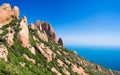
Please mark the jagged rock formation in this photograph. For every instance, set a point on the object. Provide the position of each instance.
(23, 35)
(15, 12)
(42, 35)
(44, 30)
(49, 30)
(38, 25)
(60, 42)
(35, 50)
(32, 26)
(7, 14)
(45, 51)
(79, 70)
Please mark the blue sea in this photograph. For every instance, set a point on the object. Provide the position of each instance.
(108, 57)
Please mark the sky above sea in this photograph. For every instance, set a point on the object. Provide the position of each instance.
(77, 22)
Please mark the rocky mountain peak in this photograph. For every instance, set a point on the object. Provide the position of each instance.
(49, 30)
(60, 41)
(7, 14)
(23, 35)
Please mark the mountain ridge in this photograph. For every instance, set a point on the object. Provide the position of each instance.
(35, 49)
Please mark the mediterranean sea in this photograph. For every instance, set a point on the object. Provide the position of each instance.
(108, 57)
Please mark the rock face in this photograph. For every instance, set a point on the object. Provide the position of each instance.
(30, 59)
(79, 70)
(54, 70)
(23, 35)
(38, 25)
(42, 35)
(40, 32)
(44, 31)
(7, 14)
(15, 12)
(49, 30)
(3, 52)
(32, 26)
(45, 51)
(60, 42)
(98, 67)
(32, 50)
(60, 62)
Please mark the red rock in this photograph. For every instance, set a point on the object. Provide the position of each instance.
(60, 42)
(38, 24)
(49, 30)
(23, 35)
(7, 14)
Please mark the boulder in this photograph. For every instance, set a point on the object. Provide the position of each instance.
(3, 52)
(23, 35)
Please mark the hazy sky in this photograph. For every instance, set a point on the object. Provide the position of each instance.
(78, 22)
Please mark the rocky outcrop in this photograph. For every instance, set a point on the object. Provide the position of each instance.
(22, 64)
(98, 68)
(49, 30)
(44, 30)
(77, 69)
(38, 25)
(42, 35)
(28, 58)
(3, 52)
(32, 49)
(60, 62)
(45, 51)
(10, 36)
(66, 72)
(23, 35)
(7, 14)
(32, 26)
(54, 70)
(60, 41)
(15, 12)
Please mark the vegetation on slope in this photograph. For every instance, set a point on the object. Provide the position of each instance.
(41, 66)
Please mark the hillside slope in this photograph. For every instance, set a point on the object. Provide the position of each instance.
(35, 50)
